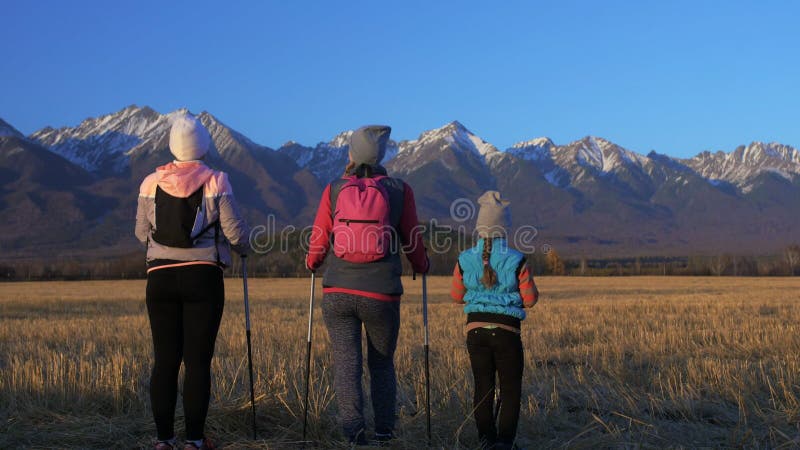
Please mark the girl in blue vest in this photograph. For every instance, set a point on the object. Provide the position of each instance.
(494, 282)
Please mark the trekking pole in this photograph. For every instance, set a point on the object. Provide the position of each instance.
(427, 366)
(497, 408)
(308, 353)
(249, 345)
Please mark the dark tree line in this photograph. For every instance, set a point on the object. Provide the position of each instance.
(286, 259)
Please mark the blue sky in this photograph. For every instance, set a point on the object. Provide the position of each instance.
(678, 77)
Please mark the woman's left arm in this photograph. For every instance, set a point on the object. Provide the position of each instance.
(411, 233)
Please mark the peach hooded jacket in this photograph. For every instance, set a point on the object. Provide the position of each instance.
(181, 179)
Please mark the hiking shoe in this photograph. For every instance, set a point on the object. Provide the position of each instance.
(359, 438)
(383, 439)
(206, 445)
(163, 445)
(500, 445)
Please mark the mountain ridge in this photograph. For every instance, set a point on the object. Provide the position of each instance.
(588, 196)
(136, 125)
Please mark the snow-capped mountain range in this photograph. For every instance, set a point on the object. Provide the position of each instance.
(746, 162)
(589, 195)
(104, 143)
(108, 141)
(327, 159)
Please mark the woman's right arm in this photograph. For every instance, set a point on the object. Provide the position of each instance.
(320, 241)
(457, 288)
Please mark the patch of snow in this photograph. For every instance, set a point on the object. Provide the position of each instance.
(304, 158)
(341, 140)
(455, 134)
(746, 162)
(327, 159)
(538, 149)
(779, 172)
(553, 177)
(482, 147)
(107, 140)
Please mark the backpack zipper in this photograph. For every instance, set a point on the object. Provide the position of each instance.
(349, 221)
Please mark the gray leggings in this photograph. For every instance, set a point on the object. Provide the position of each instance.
(344, 314)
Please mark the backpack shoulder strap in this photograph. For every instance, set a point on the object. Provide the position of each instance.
(336, 188)
(395, 188)
(205, 229)
(203, 208)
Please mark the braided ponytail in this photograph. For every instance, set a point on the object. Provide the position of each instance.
(489, 278)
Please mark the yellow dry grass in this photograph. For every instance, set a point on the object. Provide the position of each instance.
(624, 363)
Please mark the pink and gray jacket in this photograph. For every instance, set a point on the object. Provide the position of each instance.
(181, 179)
(380, 279)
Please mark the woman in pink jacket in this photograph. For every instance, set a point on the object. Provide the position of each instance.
(368, 219)
(188, 219)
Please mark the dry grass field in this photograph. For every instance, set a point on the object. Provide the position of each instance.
(610, 363)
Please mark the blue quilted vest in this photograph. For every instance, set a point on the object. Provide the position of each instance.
(503, 297)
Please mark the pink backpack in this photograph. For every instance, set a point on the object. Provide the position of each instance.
(361, 228)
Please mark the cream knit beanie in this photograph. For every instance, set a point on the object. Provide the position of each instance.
(188, 138)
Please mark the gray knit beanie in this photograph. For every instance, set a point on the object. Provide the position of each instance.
(368, 144)
(493, 218)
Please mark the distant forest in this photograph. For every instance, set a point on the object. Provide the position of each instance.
(289, 262)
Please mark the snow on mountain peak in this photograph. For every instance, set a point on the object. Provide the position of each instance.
(606, 156)
(758, 152)
(105, 140)
(746, 162)
(537, 149)
(106, 143)
(535, 142)
(341, 140)
(327, 159)
(454, 134)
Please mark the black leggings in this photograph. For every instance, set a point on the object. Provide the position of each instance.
(185, 308)
(496, 350)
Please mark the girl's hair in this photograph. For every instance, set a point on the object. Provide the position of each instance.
(489, 278)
